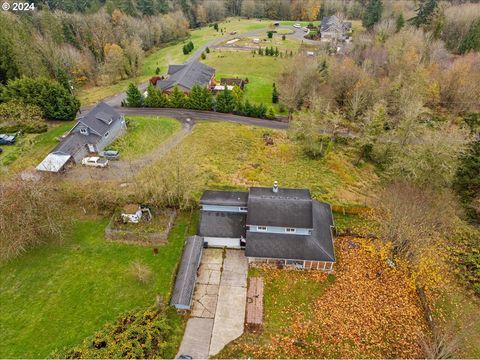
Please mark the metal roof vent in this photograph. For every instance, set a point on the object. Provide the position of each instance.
(275, 187)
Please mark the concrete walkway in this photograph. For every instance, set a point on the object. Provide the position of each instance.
(219, 301)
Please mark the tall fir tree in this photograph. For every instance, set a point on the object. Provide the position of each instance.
(225, 101)
(134, 96)
(399, 22)
(177, 98)
(155, 98)
(373, 13)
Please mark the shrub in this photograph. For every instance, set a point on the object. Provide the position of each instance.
(52, 98)
(141, 272)
(140, 334)
(270, 34)
(203, 56)
(16, 116)
(207, 50)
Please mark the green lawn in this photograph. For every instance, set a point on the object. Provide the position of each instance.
(56, 295)
(144, 134)
(262, 72)
(30, 149)
(235, 156)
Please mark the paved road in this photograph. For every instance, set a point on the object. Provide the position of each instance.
(184, 114)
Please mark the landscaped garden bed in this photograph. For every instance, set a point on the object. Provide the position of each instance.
(152, 231)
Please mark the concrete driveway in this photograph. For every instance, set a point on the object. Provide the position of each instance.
(218, 311)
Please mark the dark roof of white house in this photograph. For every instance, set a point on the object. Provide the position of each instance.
(187, 75)
(75, 142)
(100, 119)
(221, 224)
(224, 198)
(316, 247)
(284, 208)
(186, 276)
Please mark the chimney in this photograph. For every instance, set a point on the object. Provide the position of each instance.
(275, 187)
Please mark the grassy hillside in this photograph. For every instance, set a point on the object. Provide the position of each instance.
(56, 295)
(231, 155)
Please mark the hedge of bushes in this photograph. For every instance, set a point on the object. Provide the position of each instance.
(16, 116)
(199, 98)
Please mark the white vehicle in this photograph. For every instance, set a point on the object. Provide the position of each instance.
(298, 26)
(95, 161)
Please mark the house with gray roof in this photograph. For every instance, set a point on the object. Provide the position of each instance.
(91, 134)
(333, 29)
(274, 225)
(187, 75)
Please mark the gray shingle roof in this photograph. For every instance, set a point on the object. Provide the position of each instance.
(226, 198)
(99, 117)
(187, 272)
(75, 142)
(318, 246)
(221, 224)
(286, 208)
(187, 75)
(333, 23)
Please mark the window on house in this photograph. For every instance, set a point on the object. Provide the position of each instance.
(290, 230)
(106, 134)
(84, 131)
(261, 228)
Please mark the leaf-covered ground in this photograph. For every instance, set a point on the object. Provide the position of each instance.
(368, 311)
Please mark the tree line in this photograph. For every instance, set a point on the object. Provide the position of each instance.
(199, 98)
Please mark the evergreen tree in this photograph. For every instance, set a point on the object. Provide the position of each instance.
(200, 98)
(283, 37)
(424, 12)
(155, 98)
(203, 56)
(399, 22)
(146, 7)
(185, 50)
(270, 34)
(373, 13)
(225, 101)
(247, 108)
(207, 50)
(274, 94)
(134, 96)
(276, 51)
(271, 114)
(215, 26)
(467, 180)
(177, 98)
(471, 41)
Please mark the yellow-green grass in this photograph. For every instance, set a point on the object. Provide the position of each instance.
(235, 156)
(56, 295)
(144, 134)
(283, 45)
(30, 149)
(261, 71)
(170, 54)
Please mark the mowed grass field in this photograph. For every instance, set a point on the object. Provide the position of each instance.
(56, 295)
(261, 71)
(144, 134)
(227, 155)
(171, 54)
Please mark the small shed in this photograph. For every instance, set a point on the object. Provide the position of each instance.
(187, 273)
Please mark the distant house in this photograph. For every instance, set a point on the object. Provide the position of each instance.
(233, 81)
(186, 76)
(276, 225)
(91, 134)
(333, 29)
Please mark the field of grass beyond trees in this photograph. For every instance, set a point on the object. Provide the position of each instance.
(385, 127)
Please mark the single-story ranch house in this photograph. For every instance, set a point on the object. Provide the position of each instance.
(187, 75)
(91, 134)
(282, 226)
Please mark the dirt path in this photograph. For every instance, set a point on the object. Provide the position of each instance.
(126, 170)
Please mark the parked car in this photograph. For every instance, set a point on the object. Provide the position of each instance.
(95, 161)
(185, 356)
(305, 29)
(298, 26)
(110, 154)
(7, 139)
